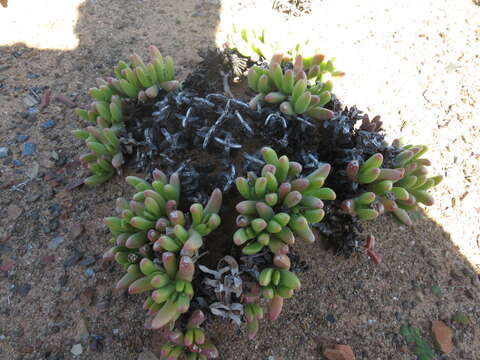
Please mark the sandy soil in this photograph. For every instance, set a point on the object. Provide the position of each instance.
(415, 63)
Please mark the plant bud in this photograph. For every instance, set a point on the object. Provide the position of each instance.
(403, 216)
(282, 261)
(271, 199)
(286, 235)
(252, 248)
(192, 245)
(258, 225)
(292, 199)
(265, 211)
(369, 175)
(391, 174)
(186, 269)
(319, 113)
(275, 307)
(300, 185)
(286, 108)
(243, 187)
(283, 190)
(275, 97)
(214, 203)
(247, 207)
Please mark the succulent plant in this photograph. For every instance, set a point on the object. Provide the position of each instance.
(134, 81)
(253, 310)
(142, 81)
(296, 90)
(260, 43)
(397, 190)
(277, 284)
(280, 206)
(252, 43)
(373, 125)
(157, 244)
(370, 246)
(192, 342)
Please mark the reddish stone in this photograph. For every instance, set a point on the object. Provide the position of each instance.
(331, 354)
(7, 266)
(86, 297)
(14, 212)
(47, 259)
(443, 336)
(346, 350)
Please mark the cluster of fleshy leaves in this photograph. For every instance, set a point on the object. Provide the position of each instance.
(134, 81)
(279, 208)
(191, 343)
(157, 244)
(261, 44)
(299, 90)
(398, 190)
(252, 43)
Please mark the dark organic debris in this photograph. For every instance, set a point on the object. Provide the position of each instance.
(293, 7)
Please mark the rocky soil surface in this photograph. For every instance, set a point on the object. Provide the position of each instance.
(415, 63)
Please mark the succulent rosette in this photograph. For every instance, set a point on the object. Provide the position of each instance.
(157, 244)
(134, 81)
(298, 90)
(280, 205)
(279, 208)
(257, 43)
(399, 190)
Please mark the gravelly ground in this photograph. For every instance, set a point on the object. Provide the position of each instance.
(415, 63)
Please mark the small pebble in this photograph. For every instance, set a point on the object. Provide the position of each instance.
(31, 75)
(29, 149)
(30, 101)
(73, 259)
(47, 259)
(4, 152)
(89, 272)
(76, 231)
(13, 212)
(63, 280)
(23, 289)
(96, 343)
(89, 260)
(331, 318)
(55, 242)
(21, 138)
(33, 197)
(82, 333)
(18, 163)
(48, 124)
(55, 210)
(76, 349)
